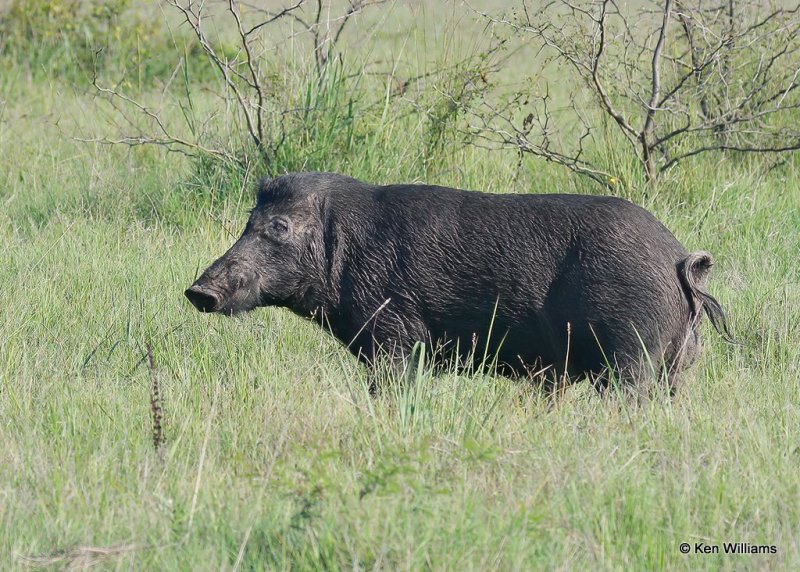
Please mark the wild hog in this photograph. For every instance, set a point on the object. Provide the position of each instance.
(566, 283)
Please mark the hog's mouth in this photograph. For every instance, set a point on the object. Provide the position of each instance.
(204, 299)
(210, 301)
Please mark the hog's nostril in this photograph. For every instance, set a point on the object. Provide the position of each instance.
(203, 300)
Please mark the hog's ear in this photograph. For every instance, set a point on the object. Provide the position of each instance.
(328, 240)
(263, 190)
(319, 205)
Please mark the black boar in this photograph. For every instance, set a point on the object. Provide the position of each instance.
(572, 284)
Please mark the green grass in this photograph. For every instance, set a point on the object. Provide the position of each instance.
(276, 457)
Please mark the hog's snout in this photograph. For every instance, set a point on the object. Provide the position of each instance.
(203, 299)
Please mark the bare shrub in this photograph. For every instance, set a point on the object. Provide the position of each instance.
(674, 80)
(254, 100)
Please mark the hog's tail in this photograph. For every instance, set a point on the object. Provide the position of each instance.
(693, 271)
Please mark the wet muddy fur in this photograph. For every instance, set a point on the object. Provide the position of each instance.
(575, 285)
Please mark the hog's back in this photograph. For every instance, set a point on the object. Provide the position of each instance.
(550, 276)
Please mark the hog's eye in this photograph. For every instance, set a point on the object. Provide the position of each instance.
(278, 226)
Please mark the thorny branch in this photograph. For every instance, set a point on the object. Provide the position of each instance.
(163, 136)
(243, 79)
(193, 15)
(687, 79)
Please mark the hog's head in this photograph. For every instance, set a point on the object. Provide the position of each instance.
(276, 261)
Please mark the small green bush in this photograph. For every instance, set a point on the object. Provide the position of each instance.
(60, 35)
(75, 38)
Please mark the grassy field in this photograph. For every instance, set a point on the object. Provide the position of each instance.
(274, 454)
